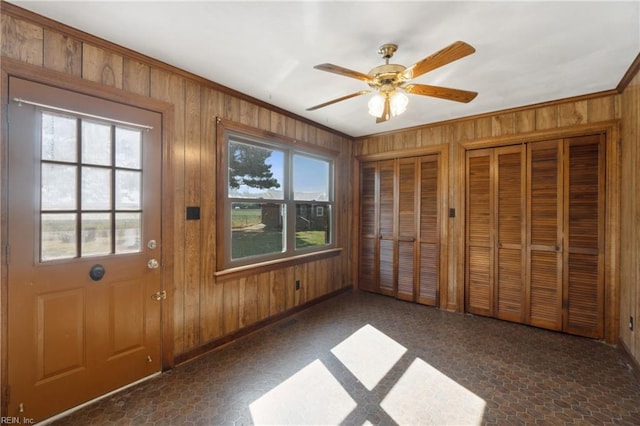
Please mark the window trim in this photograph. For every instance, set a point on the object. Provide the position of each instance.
(245, 133)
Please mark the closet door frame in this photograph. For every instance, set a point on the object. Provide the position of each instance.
(611, 132)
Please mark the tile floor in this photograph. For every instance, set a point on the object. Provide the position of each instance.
(363, 359)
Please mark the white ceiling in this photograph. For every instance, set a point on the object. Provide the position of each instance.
(526, 52)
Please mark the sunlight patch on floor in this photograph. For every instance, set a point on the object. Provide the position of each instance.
(369, 354)
(424, 395)
(311, 396)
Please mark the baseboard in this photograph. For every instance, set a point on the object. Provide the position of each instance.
(634, 363)
(209, 346)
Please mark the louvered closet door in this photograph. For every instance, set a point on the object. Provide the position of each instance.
(429, 241)
(407, 226)
(386, 233)
(368, 227)
(545, 198)
(479, 262)
(510, 233)
(584, 222)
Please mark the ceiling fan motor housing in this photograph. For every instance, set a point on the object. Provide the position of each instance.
(387, 78)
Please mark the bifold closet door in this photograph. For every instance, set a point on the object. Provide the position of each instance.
(584, 244)
(368, 275)
(545, 222)
(407, 220)
(496, 232)
(480, 236)
(386, 232)
(429, 231)
(510, 232)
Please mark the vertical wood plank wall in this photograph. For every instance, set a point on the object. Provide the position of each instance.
(203, 309)
(630, 219)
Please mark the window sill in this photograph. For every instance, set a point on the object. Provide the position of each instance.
(258, 268)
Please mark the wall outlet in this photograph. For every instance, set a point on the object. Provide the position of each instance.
(297, 284)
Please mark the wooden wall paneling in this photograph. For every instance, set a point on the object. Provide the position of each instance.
(210, 297)
(463, 131)
(432, 135)
(525, 121)
(601, 109)
(102, 66)
(479, 229)
(249, 114)
(277, 298)
(612, 233)
(322, 271)
(264, 295)
(572, 113)
(312, 280)
(231, 303)
(136, 77)
(247, 301)
(230, 107)
(503, 124)
(547, 117)
(584, 185)
(62, 53)
(544, 234)
(300, 274)
(454, 297)
(510, 232)
(170, 88)
(277, 124)
(483, 127)
(192, 228)
(22, 40)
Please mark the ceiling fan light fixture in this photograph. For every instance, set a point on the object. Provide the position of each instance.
(376, 105)
(398, 103)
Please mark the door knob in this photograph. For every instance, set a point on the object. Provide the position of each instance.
(97, 272)
(153, 264)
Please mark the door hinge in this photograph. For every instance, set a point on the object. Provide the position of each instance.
(7, 394)
(161, 295)
(6, 254)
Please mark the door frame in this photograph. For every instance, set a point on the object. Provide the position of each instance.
(13, 68)
(611, 131)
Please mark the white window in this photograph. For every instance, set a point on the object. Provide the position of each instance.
(273, 193)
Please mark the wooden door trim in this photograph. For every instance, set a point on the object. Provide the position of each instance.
(13, 68)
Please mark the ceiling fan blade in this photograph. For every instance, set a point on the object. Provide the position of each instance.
(343, 71)
(451, 53)
(386, 113)
(343, 98)
(440, 92)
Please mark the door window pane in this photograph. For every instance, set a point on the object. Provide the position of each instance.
(312, 225)
(96, 234)
(255, 172)
(128, 232)
(257, 229)
(128, 190)
(96, 188)
(58, 236)
(90, 188)
(128, 148)
(59, 138)
(96, 143)
(58, 187)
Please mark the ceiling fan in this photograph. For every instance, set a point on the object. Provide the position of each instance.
(390, 80)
